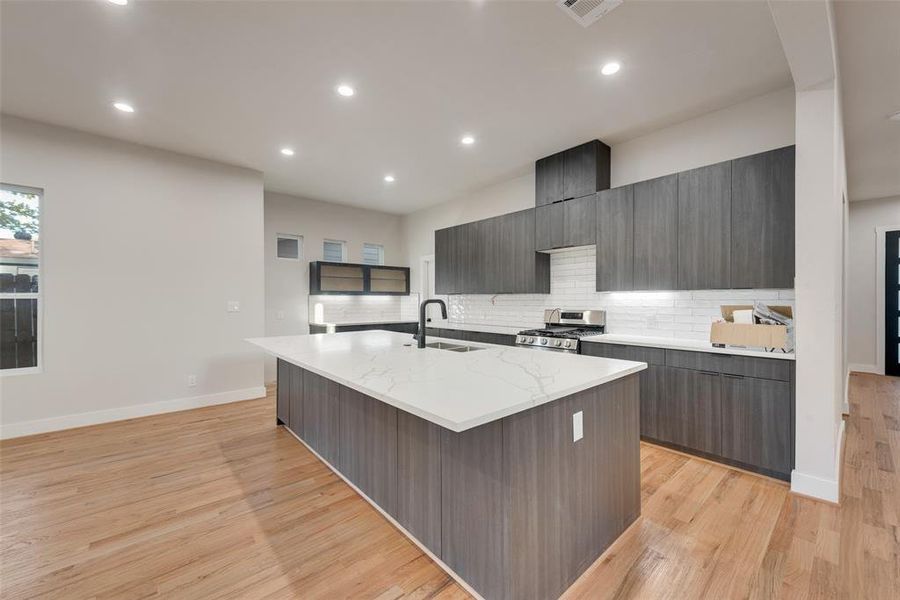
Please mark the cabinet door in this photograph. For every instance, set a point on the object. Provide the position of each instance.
(548, 180)
(579, 217)
(656, 234)
(549, 224)
(321, 414)
(368, 447)
(691, 413)
(491, 255)
(530, 270)
(296, 399)
(283, 393)
(756, 422)
(444, 254)
(419, 477)
(762, 220)
(615, 239)
(585, 169)
(704, 228)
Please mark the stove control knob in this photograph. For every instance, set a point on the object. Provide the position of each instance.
(557, 343)
(544, 341)
(568, 343)
(528, 340)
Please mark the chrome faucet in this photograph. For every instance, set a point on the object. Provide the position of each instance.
(420, 336)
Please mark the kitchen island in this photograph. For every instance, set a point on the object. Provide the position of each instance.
(513, 468)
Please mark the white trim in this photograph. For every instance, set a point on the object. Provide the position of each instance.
(863, 368)
(20, 295)
(13, 430)
(391, 520)
(22, 370)
(814, 486)
(879, 294)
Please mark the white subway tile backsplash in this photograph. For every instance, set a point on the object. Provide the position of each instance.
(683, 314)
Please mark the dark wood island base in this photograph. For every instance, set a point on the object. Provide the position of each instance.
(514, 508)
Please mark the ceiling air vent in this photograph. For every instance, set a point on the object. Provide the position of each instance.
(586, 12)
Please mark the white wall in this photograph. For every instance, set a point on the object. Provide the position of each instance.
(141, 250)
(806, 30)
(756, 125)
(287, 282)
(862, 277)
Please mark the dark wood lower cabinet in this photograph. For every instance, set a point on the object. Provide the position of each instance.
(516, 507)
(735, 409)
(320, 411)
(472, 519)
(419, 478)
(368, 447)
(283, 394)
(691, 415)
(399, 327)
(757, 415)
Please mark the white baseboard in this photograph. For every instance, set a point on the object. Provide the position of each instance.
(13, 430)
(863, 368)
(821, 488)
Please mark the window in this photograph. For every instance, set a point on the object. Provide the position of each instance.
(288, 247)
(373, 254)
(334, 251)
(19, 278)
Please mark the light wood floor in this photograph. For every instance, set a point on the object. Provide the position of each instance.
(219, 503)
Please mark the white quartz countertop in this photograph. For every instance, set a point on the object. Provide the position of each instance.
(456, 390)
(682, 344)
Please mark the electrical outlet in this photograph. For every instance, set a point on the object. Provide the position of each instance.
(192, 380)
(577, 426)
(279, 315)
(234, 306)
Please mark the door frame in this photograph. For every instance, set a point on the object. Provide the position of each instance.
(879, 294)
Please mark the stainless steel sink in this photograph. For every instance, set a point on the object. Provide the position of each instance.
(453, 347)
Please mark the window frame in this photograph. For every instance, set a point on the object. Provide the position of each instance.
(380, 247)
(289, 236)
(343, 244)
(39, 295)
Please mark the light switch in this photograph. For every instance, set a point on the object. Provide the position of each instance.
(234, 306)
(577, 426)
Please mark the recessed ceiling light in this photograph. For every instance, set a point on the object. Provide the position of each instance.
(287, 151)
(895, 116)
(345, 90)
(611, 68)
(467, 140)
(124, 107)
(389, 178)
(119, 2)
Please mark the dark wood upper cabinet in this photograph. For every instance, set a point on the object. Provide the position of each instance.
(566, 224)
(656, 234)
(762, 220)
(572, 173)
(615, 239)
(704, 228)
(358, 280)
(579, 216)
(492, 256)
(548, 180)
(549, 226)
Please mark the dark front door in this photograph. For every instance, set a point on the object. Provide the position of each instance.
(891, 309)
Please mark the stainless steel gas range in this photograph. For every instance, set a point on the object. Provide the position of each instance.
(563, 330)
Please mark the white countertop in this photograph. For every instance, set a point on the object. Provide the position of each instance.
(455, 390)
(683, 344)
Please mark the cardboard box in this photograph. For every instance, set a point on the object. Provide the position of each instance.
(728, 332)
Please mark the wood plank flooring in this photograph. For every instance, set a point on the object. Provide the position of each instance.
(219, 503)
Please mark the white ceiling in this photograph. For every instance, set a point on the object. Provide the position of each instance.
(235, 81)
(868, 45)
